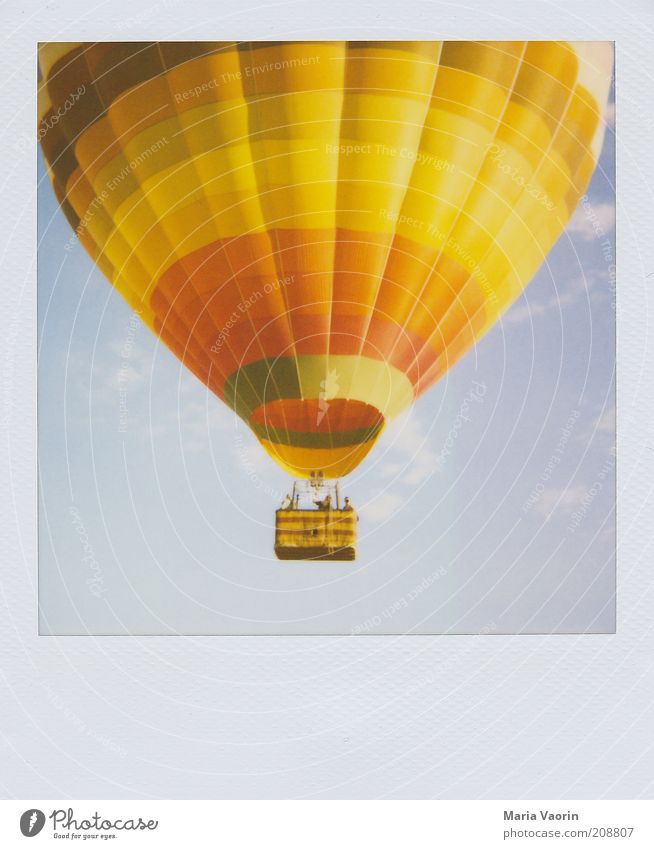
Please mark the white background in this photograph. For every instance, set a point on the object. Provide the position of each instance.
(294, 825)
(327, 717)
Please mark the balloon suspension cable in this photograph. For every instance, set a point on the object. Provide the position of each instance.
(313, 493)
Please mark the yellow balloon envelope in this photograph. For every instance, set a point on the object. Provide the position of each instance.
(319, 230)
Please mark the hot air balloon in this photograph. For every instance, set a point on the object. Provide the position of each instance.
(320, 230)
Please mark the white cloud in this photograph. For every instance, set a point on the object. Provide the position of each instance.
(407, 460)
(390, 469)
(117, 369)
(592, 221)
(423, 468)
(606, 422)
(200, 422)
(601, 425)
(382, 506)
(559, 498)
(129, 376)
(609, 115)
(409, 452)
(527, 308)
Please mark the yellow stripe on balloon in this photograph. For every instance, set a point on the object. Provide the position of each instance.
(321, 221)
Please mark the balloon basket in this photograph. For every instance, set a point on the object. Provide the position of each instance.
(326, 531)
(315, 534)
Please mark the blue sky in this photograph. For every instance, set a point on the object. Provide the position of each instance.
(488, 509)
